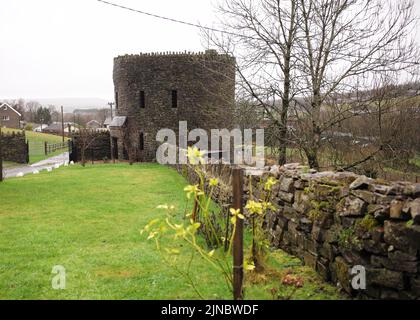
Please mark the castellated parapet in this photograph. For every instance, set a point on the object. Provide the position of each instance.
(157, 90)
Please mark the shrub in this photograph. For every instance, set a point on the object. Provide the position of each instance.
(256, 212)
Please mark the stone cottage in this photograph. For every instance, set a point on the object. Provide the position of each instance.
(157, 90)
(9, 117)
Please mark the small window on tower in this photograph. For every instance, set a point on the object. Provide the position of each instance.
(142, 100)
(174, 99)
(116, 99)
(141, 141)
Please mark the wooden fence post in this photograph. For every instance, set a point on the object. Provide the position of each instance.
(1, 158)
(69, 149)
(27, 151)
(46, 147)
(238, 246)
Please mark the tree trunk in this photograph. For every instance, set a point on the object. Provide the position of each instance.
(282, 155)
(313, 160)
(313, 149)
(285, 102)
(83, 157)
(283, 132)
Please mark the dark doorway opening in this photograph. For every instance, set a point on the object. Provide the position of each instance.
(141, 141)
(125, 153)
(115, 148)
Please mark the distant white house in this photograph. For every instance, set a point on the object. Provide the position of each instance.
(56, 128)
(70, 125)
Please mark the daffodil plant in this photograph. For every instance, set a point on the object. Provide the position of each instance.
(195, 221)
(256, 213)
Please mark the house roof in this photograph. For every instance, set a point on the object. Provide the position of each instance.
(55, 126)
(8, 106)
(107, 121)
(93, 122)
(118, 121)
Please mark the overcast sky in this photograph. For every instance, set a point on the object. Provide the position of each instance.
(65, 48)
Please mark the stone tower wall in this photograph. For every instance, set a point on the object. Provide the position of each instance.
(205, 85)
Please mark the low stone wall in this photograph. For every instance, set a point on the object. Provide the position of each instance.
(335, 221)
(97, 146)
(15, 148)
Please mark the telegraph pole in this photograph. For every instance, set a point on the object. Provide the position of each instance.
(62, 122)
(111, 104)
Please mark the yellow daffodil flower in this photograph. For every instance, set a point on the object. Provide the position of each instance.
(213, 182)
(254, 207)
(195, 156)
(236, 213)
(270, 183)
(193, 189)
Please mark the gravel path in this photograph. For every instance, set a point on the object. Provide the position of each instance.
(47, 164)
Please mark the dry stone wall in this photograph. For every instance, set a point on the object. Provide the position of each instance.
(335, 221)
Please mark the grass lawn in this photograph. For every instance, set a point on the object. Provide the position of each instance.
(36, 144)
(89, 220)
(10, 164)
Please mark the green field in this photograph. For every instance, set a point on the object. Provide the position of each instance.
(89, 220)
(36, 145)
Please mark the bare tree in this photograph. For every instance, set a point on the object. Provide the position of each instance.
(310, 59)
(247, 115)
(55, 114)
(86, 138)
(341, 45)
(31, 110)
(261, 35)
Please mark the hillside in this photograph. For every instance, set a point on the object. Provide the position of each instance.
(70, 104)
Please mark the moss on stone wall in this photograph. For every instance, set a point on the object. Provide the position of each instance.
(332, 229)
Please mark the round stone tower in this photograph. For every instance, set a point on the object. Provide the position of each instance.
(158, 90)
